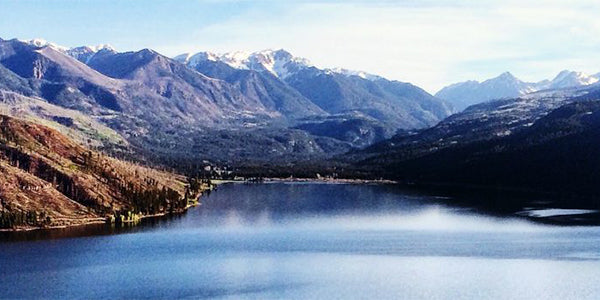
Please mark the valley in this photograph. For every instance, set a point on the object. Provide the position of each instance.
(296, 149)
(81, 124)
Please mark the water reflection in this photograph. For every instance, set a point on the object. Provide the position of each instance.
(311, 241)
(249, 206)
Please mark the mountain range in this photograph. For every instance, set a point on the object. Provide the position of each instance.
(269, 112)
(333, 91)
(67, 114)
(464, 94)
(262, 106)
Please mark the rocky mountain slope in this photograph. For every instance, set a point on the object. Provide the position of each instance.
(396, 105)
(273, 93)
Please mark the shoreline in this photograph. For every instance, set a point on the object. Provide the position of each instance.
(215, 183)
(315, 180)
(96, 221)
(101, 221)
(587, 219)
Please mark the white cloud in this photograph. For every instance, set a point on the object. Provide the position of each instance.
(431, 43)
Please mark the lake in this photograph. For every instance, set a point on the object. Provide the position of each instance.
(309, 241)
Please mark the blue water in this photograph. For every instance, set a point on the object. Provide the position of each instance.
(309, 241)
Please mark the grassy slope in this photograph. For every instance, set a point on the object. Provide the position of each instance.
(78, 126)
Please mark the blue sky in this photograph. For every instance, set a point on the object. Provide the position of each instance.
(430, 43)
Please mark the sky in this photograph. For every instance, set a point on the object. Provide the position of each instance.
(430, 43)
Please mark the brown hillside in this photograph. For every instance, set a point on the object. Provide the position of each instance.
(48, 180)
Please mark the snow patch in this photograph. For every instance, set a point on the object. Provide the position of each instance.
(361, 74)
(40, 43)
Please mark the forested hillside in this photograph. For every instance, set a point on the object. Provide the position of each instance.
(48, 180)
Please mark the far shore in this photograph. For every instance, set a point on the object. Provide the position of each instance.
(321, 180)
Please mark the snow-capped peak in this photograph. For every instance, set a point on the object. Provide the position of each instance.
(506, 82)
(91, 49)
(81, 53)
(507, 86)
(507, 76)
(40, 43)
(237, 59)
(568, 78)
(99, 47)
(278, 62)
(361, 74)
(37, 42)
(193, 60)
(183, 58)
(85, 53)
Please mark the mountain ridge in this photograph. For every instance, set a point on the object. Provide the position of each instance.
(337, 91)
(151, 101)
(506, 85)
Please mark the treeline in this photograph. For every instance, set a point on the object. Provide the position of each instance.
(136, 195)
(196, 185)
(11, 219)
(108, 187)
(152, 200)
